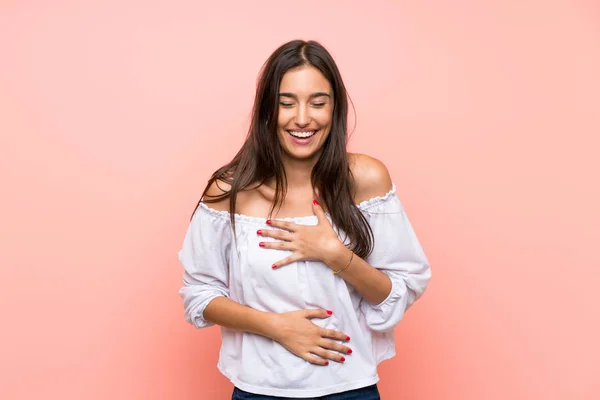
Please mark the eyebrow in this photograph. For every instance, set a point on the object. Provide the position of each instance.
(292, 95)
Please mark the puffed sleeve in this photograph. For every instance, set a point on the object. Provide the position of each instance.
(205, 258)
(398, 254)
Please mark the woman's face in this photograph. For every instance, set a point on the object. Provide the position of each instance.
(305, 112)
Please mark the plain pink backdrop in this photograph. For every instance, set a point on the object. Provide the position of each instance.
(113, 114)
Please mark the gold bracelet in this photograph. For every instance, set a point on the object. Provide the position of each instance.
(345, 266)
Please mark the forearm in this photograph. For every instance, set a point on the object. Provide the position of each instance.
(230, 314)
(372, 284)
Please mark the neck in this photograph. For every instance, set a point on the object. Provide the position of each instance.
(297, 172)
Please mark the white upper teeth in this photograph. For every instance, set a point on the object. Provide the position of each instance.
(302, 134)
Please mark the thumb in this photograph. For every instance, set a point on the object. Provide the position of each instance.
(318, 313)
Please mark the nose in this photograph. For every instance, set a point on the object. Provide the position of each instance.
(302, 118)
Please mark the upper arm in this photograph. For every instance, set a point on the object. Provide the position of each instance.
(371, 177)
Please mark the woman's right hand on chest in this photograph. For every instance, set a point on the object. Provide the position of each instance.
(296, 332)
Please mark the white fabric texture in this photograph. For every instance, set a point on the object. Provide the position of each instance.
(214, 266)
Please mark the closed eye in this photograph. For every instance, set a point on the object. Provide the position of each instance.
(291, 104)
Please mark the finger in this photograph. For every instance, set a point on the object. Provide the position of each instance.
(319, 212)
(287, 225)
(321, 352)
(286, 261)
(315, 360)
(333, 334)
(277, 245)
(335, 346)
(282, 235)
(317, 313)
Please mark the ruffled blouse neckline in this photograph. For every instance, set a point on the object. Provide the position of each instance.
(363, 205)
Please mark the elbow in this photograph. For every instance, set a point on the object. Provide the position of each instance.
(406, 289)
(195, 299)
(385, 316)
(383, 325)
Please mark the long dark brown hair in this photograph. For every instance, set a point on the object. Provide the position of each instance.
(260, 157)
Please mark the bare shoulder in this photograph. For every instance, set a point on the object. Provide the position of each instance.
(216, 189)
(371, 177)
(245, 198)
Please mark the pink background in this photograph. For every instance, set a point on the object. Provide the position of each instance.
(114, 113)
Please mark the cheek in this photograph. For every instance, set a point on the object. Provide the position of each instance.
(324, 119)
(280, 122)
(284, 117)
(324, 116)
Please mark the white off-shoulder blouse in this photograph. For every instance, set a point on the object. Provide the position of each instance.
(214, 266)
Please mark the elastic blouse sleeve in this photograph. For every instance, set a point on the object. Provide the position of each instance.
(398, 254)
(205, 258)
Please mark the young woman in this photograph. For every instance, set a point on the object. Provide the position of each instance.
(300, 251)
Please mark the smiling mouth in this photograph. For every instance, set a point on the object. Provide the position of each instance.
(302, 135)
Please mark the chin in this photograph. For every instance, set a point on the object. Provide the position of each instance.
(302, 155)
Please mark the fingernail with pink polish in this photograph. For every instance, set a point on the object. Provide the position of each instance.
(329, 312)
(342, 359)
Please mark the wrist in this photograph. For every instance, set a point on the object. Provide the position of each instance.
(338, 257)
(269, 325)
